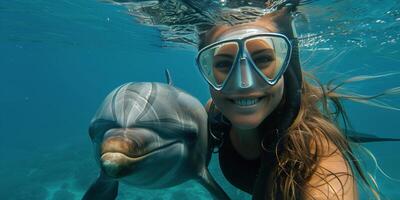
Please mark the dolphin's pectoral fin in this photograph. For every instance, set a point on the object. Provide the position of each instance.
(104, 188)
(212, 186)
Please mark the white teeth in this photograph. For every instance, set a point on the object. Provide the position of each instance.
(246, 102)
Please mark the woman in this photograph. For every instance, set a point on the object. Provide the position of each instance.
(274, 140)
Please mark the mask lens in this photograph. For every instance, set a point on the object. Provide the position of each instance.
(216, 62)
(269, 54)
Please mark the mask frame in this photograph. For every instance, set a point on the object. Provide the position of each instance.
(243, 53)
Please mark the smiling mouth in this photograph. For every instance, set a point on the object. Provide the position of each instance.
(244, 102)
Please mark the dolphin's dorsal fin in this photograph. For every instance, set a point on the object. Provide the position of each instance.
(168, 76)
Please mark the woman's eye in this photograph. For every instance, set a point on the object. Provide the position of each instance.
(223, 65)
(263, 60)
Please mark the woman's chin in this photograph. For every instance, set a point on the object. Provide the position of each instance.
(245, 123)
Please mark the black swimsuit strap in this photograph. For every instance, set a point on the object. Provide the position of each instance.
(218, 126)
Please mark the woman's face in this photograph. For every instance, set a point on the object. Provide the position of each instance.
(245, 108)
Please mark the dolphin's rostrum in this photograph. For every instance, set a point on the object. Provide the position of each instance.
(150, 135)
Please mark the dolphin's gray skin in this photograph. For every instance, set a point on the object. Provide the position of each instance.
(150, 135)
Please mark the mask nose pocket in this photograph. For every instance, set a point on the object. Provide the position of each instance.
(245, 80)
(244, 76)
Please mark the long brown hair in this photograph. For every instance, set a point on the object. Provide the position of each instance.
(313, 135)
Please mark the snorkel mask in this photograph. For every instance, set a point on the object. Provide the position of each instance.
(250, 58)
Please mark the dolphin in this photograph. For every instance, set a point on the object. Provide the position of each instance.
(152, 136)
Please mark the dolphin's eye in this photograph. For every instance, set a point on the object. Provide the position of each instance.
(99, 127)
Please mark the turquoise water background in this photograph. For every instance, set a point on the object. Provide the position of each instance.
(59, 59)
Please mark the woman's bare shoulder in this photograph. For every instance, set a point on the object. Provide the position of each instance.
(333, 178)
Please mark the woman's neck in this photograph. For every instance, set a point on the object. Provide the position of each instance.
(246, 142)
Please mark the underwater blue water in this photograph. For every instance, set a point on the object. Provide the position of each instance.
(59, 59)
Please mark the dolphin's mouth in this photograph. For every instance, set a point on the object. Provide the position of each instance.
(137, 157)
(118, 164)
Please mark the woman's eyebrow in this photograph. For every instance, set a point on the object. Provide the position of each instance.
(225, 55)
(269, 51)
